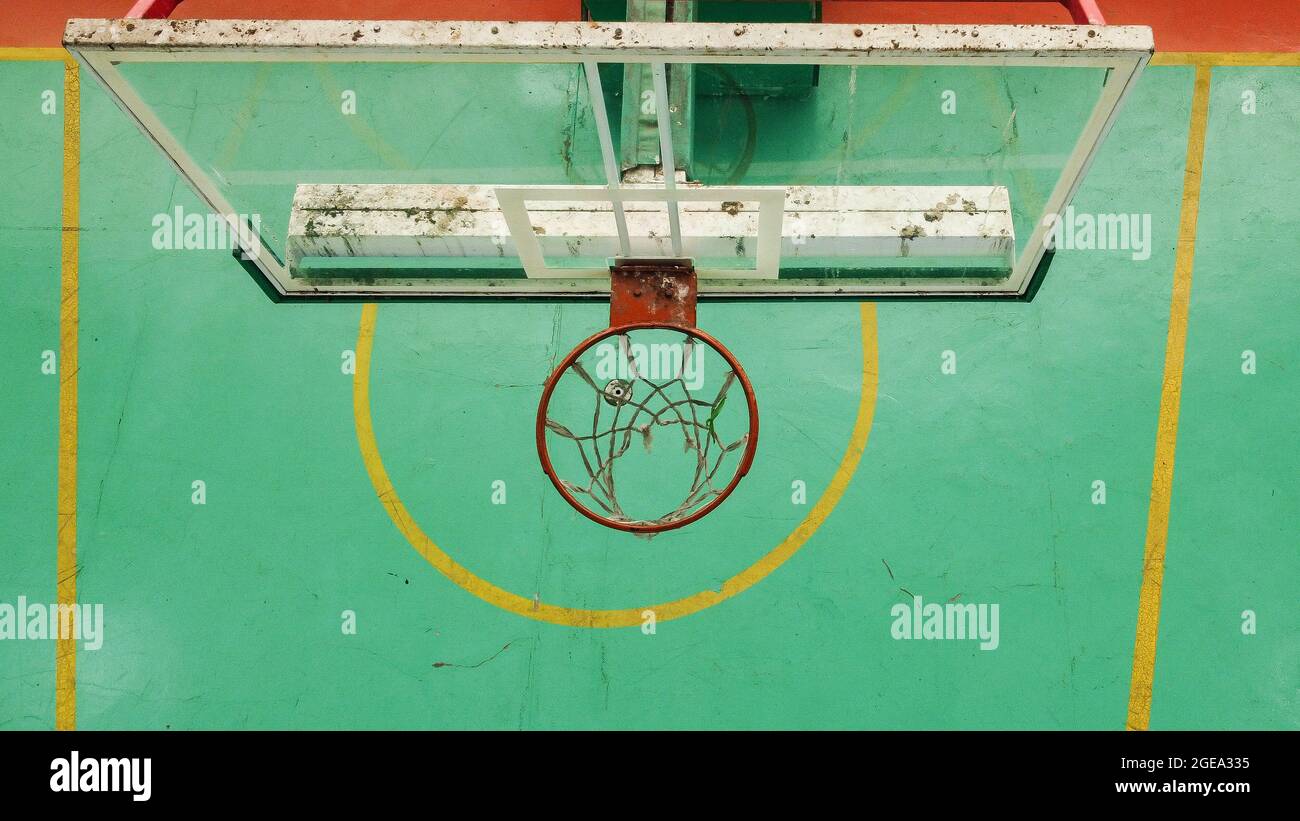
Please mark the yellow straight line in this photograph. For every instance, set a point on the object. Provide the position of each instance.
(1226, 58)
(19, 54)
(65, 667)
(1162, 477)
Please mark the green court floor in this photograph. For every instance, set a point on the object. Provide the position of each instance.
(978, 486)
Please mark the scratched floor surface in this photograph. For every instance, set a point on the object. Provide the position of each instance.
(978, 486)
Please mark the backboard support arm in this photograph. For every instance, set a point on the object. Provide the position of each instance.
(152, 9)
(1085, 12)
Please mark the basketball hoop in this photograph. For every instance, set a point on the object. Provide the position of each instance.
(634, 403)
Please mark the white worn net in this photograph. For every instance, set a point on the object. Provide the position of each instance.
(652, 402)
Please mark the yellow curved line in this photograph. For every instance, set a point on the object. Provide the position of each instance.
(579, 617)
(392, 158)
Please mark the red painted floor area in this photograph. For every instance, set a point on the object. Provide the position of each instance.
(40, 22)
(1180, 25)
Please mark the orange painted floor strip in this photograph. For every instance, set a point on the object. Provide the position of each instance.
(1162, 478)
(65, 709)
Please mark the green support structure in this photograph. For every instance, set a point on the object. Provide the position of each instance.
(639, 141)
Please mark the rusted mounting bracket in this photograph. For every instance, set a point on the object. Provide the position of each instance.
(652, 290)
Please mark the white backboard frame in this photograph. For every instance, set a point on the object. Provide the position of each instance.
(100, 45)
(767, 257)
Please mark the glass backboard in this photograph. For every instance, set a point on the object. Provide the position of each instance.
(431, 159)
